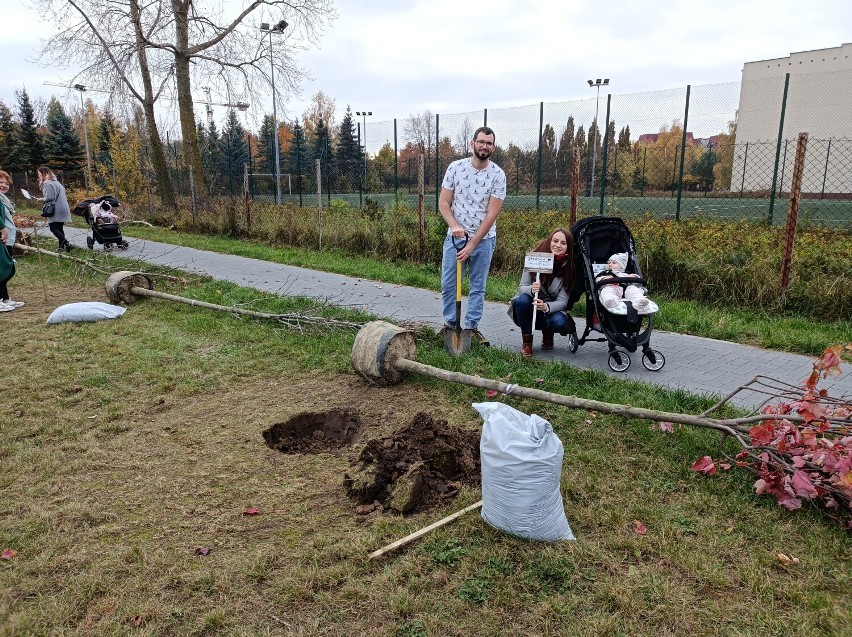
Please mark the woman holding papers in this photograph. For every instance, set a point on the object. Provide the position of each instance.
(54, 192)
(545, 295)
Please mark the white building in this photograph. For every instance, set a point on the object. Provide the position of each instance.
(819, 102)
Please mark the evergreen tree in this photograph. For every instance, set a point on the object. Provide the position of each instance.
(624, 139)
(298, 158)
(320, 150)
(566, 151)
(8, 138)
(31, 145)
(234, 152)
(266, 145)
(349, 166)
(107, 130)
(65, 152)
(208, 140)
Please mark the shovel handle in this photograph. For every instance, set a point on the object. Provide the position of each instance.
(458, 269)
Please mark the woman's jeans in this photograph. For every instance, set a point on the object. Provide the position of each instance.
(553, 322)
(476, 267)
(58, 230)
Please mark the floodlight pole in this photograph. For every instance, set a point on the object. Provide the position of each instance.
(363, 115)
(597, 84)
(278, 28)
(82, 89)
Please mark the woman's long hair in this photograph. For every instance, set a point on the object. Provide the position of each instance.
(45, 173)
(563, 268)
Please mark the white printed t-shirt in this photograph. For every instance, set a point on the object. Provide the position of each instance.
(472, 190)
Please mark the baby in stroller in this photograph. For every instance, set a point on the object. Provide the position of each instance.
(102, 213)
(99, 213)
(610, 279)
(613, 295)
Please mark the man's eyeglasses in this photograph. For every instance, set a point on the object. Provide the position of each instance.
(480, 142)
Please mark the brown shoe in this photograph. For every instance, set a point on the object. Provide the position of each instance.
(546, 340)
(526, 348)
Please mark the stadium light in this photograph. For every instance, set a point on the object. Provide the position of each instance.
(363, 115)
(596, 84)
(278, 28)
(82, 89)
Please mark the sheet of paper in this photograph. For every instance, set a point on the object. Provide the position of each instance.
(26, 194)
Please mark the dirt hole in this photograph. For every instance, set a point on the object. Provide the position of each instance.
(417, 468)
(315, 432)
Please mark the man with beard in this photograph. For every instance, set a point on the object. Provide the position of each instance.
(472, 195)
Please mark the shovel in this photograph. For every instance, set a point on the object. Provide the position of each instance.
(457, 340)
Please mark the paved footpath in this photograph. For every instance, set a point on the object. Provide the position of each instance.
(698, 365)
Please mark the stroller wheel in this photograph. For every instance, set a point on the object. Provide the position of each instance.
(618, 361)
(573, 343)
(653, 360)
(124, 245)
(90, 243)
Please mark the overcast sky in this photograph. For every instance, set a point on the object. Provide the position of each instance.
(400, 57)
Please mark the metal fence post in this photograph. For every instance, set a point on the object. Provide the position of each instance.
(299, 164)
(605, 153)
(421, 191)
(682, 154)
(825, 170)
(644, 158)
(783, 168)
(485, 117)
(538, 169)
(745, 159)
(319, 201)
(437, 161)
(395, 163)
(778, 148)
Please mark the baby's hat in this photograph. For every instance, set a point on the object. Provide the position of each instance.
(620, 258)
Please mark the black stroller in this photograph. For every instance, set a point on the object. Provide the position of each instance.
(595, 240)
(99, 214)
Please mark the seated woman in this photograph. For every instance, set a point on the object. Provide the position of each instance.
(552, 299)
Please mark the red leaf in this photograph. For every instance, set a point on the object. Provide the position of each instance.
(802, 485)
(762, 434)
(639, 528)
(704, 465)
(8, 554)
(203, 550)
(491, 393)
(251, 511)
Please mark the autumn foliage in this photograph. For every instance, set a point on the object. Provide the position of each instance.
(802, 450)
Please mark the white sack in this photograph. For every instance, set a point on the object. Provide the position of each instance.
(521, 469)
(85, 312)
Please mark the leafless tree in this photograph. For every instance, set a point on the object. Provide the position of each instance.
(420, 129)
(176, 42)
(464, 137)
(106, 41)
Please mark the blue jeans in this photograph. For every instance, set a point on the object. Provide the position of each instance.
(476, 267)
(553, 322)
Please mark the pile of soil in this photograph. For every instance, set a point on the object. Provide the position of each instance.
(417, 468)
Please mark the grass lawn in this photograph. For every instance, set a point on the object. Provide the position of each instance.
(127, 445)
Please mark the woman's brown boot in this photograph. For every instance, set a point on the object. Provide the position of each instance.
(546, 340)
(526, 348)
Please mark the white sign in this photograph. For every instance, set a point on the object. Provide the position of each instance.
(538, 262)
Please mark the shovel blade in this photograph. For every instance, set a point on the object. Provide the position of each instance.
(457, 342)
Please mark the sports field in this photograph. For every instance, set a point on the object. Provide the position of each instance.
(829, 213)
